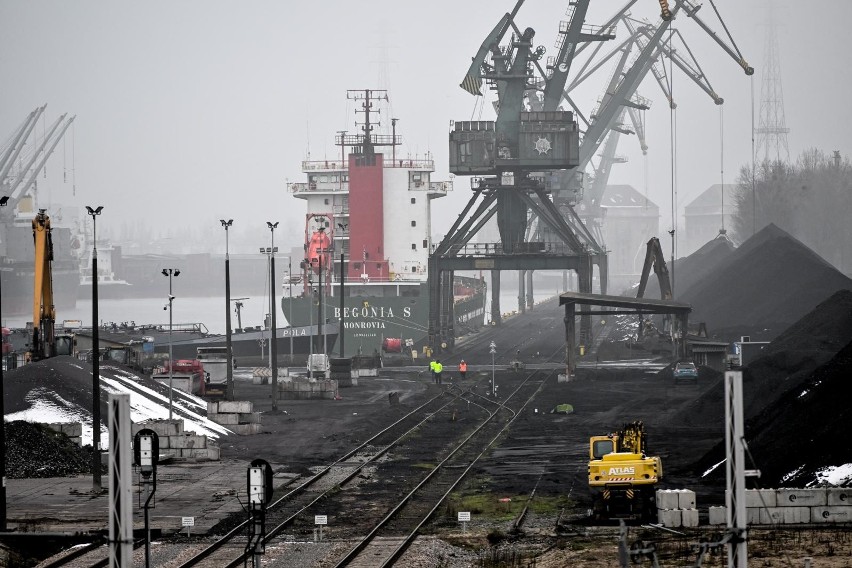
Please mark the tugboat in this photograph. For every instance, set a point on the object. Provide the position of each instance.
(367, 243)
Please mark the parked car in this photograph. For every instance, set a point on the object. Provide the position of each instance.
(685, 371)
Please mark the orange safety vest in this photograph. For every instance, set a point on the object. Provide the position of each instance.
(463, 367)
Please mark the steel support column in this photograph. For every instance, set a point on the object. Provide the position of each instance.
(570, 339)
(530, 291)
(522, 307)
(496, 318)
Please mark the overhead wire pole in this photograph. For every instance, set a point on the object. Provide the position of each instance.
(3, 201)
(96, 382)
(273, 346)
(171, 272)
(229, 351)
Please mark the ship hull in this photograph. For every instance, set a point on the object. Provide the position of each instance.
(248, 344)
(370, 315)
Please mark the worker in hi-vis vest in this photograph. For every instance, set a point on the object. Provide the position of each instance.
(438, 369)
(462, 368)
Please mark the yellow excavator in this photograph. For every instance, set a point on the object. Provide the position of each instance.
(622, 476)
(43, 339)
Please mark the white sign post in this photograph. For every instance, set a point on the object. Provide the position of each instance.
(320, 520)
(464, 518)
(187, 522)
(493, 351)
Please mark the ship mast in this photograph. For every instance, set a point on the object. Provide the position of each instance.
(365, 143)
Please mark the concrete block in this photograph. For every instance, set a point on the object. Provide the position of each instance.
(761, 498)
(771, 515)
(669, 517)
(70, 429)
(164, 442)
(667, 499)
(753, 516)
(811, 497)
(224, 419)
(797, 515)
(200, 453)
(235, 406)
(838, 496)
(717, 515)
(188, 441)
(213, 407)
(259, 380)
(249, 418)
(245, 429)
(839, 514)
(685, 500)
(161, 427)
(689, 517)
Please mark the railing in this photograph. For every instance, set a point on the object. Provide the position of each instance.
(339, 165)
(496, 249)
(326, 187)
(313, 165)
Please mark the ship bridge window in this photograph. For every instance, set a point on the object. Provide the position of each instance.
(416, 176)
(413, 200)
(425, 244)
(323, 179)
(414, 269)
(333, 179)
(413, 246)
(414, 223)
(326, 200)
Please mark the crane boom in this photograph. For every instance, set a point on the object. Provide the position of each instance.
(17, 144)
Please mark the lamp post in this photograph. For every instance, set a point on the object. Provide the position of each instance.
(96, 354)
(170, 272)
(273, 347)
(229, 371)
(3, 201)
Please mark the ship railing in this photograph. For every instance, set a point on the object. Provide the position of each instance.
(432, 186)
(394, 278)
(331, 165)
(496, 249)
(305, 187)
(408, 163)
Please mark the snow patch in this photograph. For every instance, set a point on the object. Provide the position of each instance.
(793, 473)
(838, 475)
(712, 468)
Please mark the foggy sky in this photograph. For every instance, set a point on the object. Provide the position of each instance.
(191, 111)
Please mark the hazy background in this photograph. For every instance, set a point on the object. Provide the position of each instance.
(191, 111)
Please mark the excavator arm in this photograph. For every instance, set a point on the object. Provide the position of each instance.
(44, 312)
(654, 256)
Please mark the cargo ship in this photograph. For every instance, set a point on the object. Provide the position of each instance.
(367, 242)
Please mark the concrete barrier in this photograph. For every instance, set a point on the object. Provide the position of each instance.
(685, 499)
(717, 516)
(668, 499)
(838, 496)
(761, 498)
(839, 514)
(815, 497)
(670, 518)
(689, 517)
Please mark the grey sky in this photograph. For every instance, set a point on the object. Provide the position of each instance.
(190, 111)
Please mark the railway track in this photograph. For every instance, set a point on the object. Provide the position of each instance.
(392, 535)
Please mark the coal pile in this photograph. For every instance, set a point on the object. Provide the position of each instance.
(792, 393)
(763, 287)
(691, 270)
(803, 432)
(34, 450)
(786, 362)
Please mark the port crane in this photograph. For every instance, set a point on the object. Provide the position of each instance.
(514, 185)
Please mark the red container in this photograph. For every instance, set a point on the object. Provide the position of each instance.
(392, 345)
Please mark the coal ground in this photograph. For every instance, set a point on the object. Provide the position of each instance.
(788, 393)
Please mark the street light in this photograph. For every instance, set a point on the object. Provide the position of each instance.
(96, 354)
(229, 371)
(170, 272)
(3, 201)
(273, 347)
